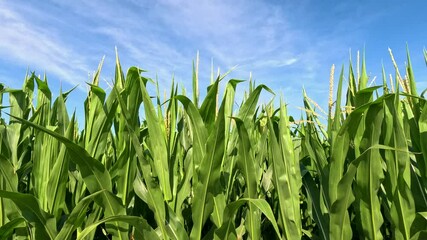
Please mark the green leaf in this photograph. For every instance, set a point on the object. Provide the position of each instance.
(227, 230)
(369, 176)
(157, 143)
(77, 216)
(94, 174)
(7, 229)
(208, 183)
(59, 177)
(285, 183)
(142, 228)
(8, 174)
(45, 227)
(199, 132)
(363, 81)
(411, 77)
(248, 167)
(247, 110)
(322, 220)
(149, 193)
(208, 110)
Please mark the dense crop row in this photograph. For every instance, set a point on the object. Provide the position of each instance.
(184, 170)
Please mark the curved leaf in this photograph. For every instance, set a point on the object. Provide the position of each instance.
(7, 230)
(228, 228)
(77, 216)
(142, 229)
(45, 226)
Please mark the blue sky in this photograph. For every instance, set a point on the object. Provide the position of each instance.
(287, 45)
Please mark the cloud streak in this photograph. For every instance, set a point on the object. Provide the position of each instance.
(25, 43)
(284, 45)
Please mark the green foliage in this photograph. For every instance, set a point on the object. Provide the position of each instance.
(145, 167)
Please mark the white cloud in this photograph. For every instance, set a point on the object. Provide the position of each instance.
(169, 32)
(269, 39)
(276, 63)
(38, 47)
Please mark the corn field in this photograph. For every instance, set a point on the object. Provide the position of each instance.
(180, 167)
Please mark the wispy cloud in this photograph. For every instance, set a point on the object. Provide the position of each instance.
(284, 45)
(166, 34)
(36, 46)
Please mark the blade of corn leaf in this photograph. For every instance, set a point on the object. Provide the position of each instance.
(8, 174)
(292, 165)
(59, 113)
(18, 104)
(77, 216)
(208, 176)
(44, 96)
(340, 149)
(340, 194)
(363, 81)
(390, 181)
(59, 176)
(28, 205)
(336, 120)
(8, 182)
(229, 96)
(93, 216)
(369, 176)
(352, 88)
(247, 110)
(28, 87)
(422, 123)
(209, 106)
(185, 188)
(312, 144)
(227, 230)
(412, 130)
(46, 149)
(174, 227)
(101, 116)
(282, 180)
(125, 168)
(6, 230)
(173, 146)
(339, 218)
(365, 95)
(246, 114)
(154, 194)
(384, 78)
(157, 143)
(142, 228)
(402, 208)
(93, 172)
(199, 133)
(196, 83)
(248, 167)
(417, 189)
(412, 83)
(321, 219)
(219, 202)
(118, 73)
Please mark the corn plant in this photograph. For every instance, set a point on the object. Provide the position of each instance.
(179, 167)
